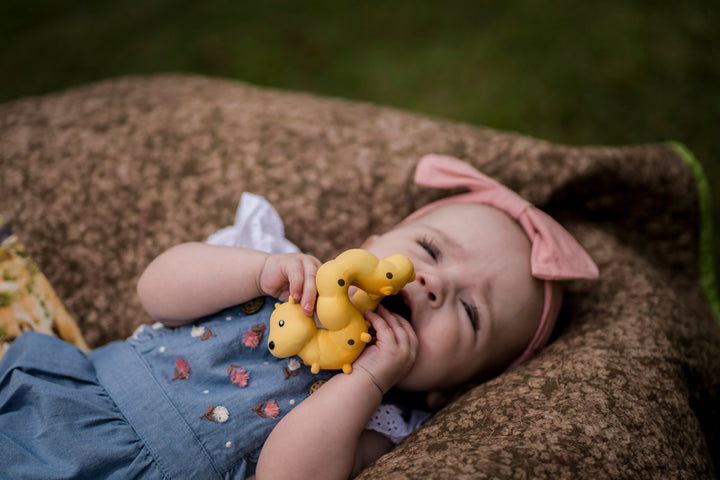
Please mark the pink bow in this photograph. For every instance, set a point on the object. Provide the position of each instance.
(556, 255)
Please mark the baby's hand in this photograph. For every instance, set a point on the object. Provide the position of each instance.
(290, 275)
(393, 354)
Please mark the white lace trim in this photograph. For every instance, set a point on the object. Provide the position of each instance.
(389, 421)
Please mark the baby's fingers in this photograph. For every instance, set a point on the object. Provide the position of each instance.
(394, 352)
(394, 330)
(309, 288)
(291, 274)
(301, 281)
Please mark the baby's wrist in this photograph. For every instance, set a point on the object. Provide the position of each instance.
(260, 272)
(357, 389)
(372, 381)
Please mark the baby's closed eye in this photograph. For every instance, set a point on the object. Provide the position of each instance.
(430, 247)
(472, 312)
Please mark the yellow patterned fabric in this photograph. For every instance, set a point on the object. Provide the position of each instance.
(27, 300)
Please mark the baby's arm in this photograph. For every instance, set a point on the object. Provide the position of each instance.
(195, 279)
(324, 436)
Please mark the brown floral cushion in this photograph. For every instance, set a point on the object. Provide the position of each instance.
(99, 179)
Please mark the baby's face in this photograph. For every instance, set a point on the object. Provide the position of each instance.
(474, 305)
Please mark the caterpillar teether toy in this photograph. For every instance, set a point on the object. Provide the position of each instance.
(346, 330)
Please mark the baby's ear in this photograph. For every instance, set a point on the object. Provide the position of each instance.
(369, 241)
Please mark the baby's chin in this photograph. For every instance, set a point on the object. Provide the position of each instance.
(418, 381)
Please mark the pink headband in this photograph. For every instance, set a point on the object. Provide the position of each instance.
(555, 254)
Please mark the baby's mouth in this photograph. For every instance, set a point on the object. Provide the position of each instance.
(397, 305)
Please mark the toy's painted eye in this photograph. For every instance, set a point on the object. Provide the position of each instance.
(351, 342)
(281, 323)
(389, 275)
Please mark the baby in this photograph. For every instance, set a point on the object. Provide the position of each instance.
(203, 397)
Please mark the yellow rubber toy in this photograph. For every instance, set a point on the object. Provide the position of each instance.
(346, 331)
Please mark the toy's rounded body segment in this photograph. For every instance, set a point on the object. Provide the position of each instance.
(346, 331)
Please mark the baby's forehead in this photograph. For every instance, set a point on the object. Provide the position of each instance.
(477, 228)
(471, 216)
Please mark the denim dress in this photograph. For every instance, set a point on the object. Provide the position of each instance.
(190, 402)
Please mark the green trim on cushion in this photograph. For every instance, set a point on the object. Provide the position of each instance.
(707, 256)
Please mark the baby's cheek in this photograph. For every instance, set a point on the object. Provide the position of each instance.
(435, 359)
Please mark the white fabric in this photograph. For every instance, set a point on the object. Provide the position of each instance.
(257, 226)
(388, 420)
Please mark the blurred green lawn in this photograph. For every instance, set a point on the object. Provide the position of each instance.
(597, 72)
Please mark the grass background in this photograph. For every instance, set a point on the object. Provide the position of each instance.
(604, 72)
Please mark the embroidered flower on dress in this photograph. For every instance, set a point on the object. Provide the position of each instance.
(182, 369)
(220, 414)
(216, 414)
(293, 365)
(238, 375)
(251, 339)
(269, 410)
(202, 332)
(254, 336)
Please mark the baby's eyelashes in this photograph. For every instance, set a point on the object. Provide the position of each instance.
(472, 312)
(430, 247)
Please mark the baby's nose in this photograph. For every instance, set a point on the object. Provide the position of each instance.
(431, 287)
